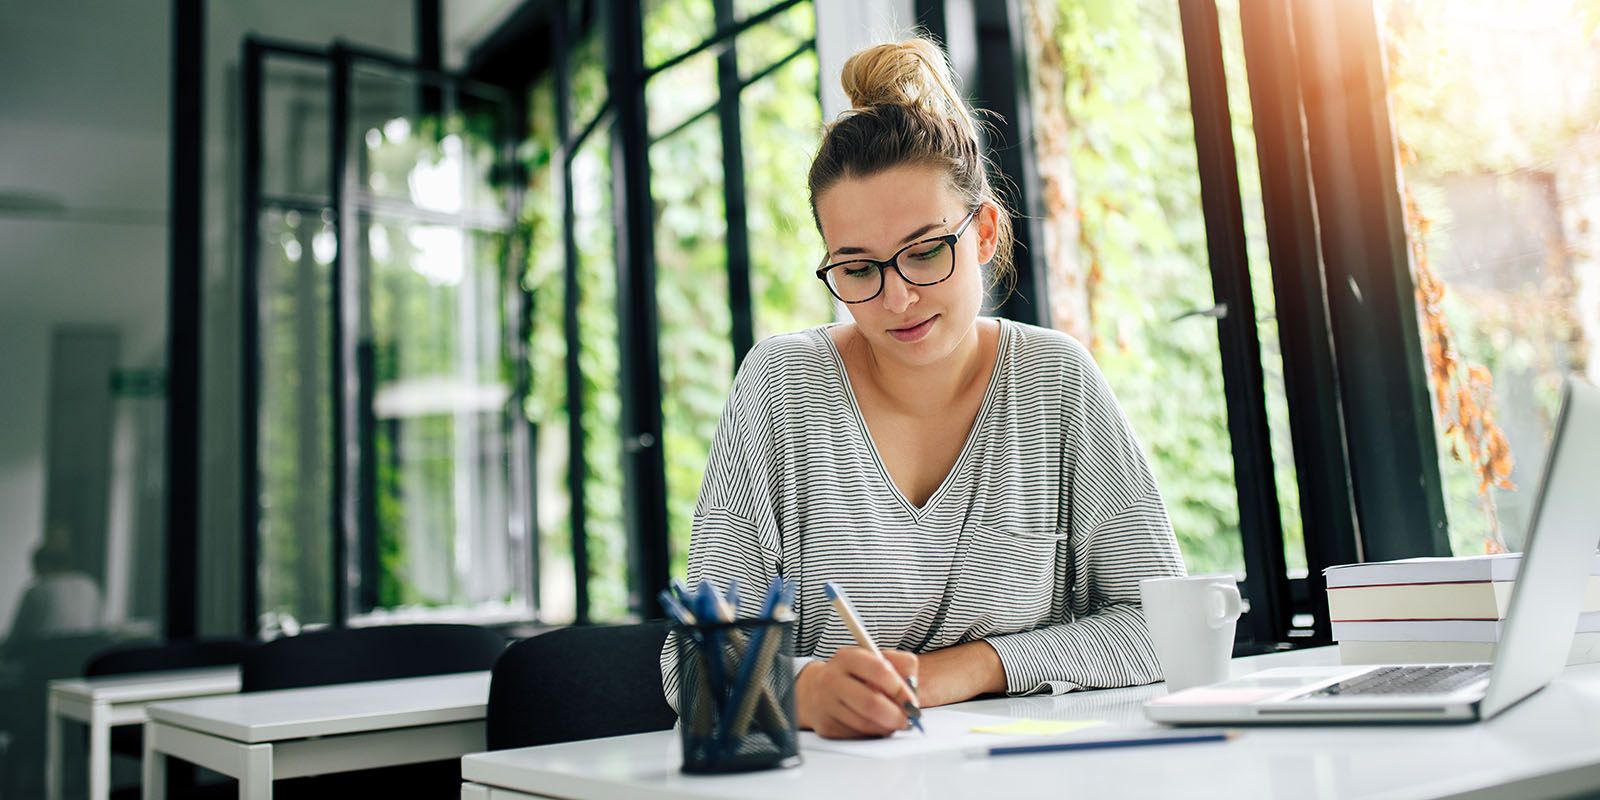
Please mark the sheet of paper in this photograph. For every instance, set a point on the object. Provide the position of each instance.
(1037, 727)
(946, 731)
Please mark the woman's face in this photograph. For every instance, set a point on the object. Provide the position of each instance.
(874, 217)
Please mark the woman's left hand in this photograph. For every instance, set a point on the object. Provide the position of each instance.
(959, 673)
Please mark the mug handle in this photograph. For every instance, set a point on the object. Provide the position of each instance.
(1224, 604)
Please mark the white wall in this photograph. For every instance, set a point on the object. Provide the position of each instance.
(845, 26)
(22, 363)
(82, 130)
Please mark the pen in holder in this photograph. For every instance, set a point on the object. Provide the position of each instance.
(736, 695)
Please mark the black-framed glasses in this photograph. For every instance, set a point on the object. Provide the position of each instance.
(928, 262)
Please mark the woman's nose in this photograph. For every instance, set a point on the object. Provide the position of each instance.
(898, 295)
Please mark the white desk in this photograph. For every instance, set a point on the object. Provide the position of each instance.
(263, 736)
(106, 702)
(1549, 745)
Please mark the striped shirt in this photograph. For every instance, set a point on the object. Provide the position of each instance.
(1036, 540)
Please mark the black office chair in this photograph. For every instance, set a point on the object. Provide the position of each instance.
(579, 683)
(348, 655)
(135, 657)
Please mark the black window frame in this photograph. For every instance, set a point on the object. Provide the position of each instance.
(549, 28)
(352, 426)
(1360, 424)
(1357, 501)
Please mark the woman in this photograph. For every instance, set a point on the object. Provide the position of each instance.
(969, 480)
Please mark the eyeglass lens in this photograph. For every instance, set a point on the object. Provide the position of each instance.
(923, 263)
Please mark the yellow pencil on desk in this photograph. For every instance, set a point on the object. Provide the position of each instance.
(847, 612)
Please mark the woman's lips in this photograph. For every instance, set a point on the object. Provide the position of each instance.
(915, 332)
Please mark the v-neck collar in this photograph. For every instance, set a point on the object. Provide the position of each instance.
(918, 514)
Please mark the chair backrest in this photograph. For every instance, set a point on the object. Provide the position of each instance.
(156, 656)
(347, 655)
(578, 683)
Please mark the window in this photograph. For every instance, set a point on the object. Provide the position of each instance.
(385, 395)
(1125, 242)
(1500, 171)
(729, 126)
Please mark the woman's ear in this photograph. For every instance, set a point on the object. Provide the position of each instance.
(988, 226)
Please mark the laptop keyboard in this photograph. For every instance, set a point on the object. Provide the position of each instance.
(1406, 680)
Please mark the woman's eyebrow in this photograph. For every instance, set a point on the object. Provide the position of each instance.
(910, 237)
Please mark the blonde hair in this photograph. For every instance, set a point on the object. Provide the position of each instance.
(906, 110)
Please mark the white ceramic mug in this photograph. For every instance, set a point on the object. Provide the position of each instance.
(1191, 622)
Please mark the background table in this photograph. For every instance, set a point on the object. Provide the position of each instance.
(263, 736)
(107, 702)
(1548, 745)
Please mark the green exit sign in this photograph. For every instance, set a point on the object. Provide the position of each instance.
(138, 382)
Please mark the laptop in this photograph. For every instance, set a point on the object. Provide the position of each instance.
(1539, 624)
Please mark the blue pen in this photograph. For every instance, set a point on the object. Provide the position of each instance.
(706, 609)
(1105, 744)
(747, 665)
(675, 609)
(742, 700)
(682, 593)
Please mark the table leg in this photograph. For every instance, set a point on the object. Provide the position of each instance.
(52, 750)
(256, 782)
(154, 785)
(100, 752)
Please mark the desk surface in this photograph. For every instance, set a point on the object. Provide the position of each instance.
(144, 687)
(1551, 733)
(332, 710)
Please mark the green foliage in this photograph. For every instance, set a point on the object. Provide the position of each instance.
(599, 361)
(673, 26)
(1143, 234)
(781, 119)
(782, 122)
(295, 457)
(1482, 90)
(696, 329)
(546, 397)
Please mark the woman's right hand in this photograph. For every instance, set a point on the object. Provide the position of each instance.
(855, 694)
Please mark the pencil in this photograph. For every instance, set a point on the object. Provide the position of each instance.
(847, 612)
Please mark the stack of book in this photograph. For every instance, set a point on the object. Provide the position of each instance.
(1434, 610)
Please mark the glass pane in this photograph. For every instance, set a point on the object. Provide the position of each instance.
(1255, 231)
(411, 142)
(439, 408)
(765, 44)
(696, 328)
(782, 119)
(1127, 248)
(744, 9)
(681, 92)
(588, 64)
(606, 534)
(546, 405)
(294, 129)
(673, 26)
(1498, 162)
(294, 423)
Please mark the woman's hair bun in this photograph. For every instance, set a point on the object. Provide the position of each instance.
(912, 73)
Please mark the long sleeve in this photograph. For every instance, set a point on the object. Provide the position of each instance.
(734, 535)
(1118, 534)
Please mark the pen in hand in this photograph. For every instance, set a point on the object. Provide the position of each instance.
(847, 612)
